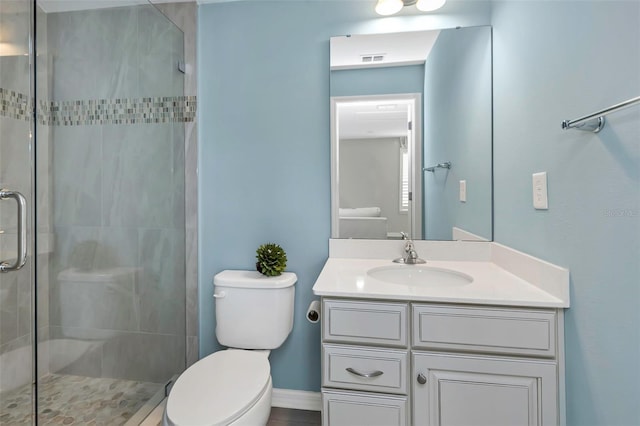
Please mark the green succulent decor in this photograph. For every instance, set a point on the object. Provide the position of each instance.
(272, 260)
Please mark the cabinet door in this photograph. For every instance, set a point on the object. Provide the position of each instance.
(452, 390)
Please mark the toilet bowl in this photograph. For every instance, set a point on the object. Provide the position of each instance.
(238, 394)
(254, 314)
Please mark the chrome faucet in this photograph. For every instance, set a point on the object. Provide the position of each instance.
(410, 255)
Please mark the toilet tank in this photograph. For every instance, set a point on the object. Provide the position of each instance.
(253, 311)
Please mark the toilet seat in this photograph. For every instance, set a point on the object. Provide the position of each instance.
(219, 388)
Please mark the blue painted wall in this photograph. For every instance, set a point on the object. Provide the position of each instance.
(264, 159)
(556, 60)
(264, 165)
(457, 128)
(377, 81)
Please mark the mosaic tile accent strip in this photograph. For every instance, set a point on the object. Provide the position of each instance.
(14, 105)
(162, 109)
(170, 109)
(76, 400)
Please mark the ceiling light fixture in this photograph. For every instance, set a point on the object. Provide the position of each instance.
(391, 7)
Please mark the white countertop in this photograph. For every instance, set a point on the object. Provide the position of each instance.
(492, 285)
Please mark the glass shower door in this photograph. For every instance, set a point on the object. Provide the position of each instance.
(92, 220)
(110, 210)
(16, 201)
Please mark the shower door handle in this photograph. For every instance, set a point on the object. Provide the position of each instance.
(21, 254)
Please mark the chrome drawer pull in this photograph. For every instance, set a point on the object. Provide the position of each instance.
(367, 375)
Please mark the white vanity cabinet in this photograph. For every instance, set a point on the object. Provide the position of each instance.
(414, 363)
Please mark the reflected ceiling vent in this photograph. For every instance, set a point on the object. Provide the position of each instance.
(372, 58)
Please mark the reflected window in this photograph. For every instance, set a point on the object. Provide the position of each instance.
(404, 176)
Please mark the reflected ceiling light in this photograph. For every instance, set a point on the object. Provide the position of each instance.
(10, 49)
(429, 5)
(390, 7)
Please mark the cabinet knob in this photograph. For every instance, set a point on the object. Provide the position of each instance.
(422, 379)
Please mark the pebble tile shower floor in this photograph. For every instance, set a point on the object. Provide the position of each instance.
(76, 400)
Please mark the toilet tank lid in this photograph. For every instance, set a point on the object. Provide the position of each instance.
(253, 279)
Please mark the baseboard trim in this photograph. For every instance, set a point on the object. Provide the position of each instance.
(296, 399)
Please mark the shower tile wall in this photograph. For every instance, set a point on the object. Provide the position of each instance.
(118, 194)
(185, 16)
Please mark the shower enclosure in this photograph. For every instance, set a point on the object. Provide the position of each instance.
(92, 116)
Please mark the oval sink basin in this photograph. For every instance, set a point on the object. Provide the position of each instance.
(420, 275)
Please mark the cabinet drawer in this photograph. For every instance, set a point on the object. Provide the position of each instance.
(358, 368)
(378, 323)
(488, 330)
(361, 409)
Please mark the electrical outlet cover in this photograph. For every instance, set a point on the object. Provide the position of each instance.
(463, 191)
(540, 200)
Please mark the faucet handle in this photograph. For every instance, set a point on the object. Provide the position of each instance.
(408, 246)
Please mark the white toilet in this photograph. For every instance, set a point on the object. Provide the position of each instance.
(233, 386)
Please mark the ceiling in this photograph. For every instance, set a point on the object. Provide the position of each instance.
(406, 48)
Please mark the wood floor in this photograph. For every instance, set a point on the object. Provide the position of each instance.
(278, 417)
(288, 417)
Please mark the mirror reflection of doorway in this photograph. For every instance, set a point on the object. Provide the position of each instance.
(375, 148)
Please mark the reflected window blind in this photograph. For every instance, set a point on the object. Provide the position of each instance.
(404, 180)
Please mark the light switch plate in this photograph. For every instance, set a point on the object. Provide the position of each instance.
(540, 200)
(463, 191)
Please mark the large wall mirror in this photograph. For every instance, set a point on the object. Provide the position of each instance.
(411, 118)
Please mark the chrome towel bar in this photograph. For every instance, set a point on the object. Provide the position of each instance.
(595, 122)
(445, 165)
